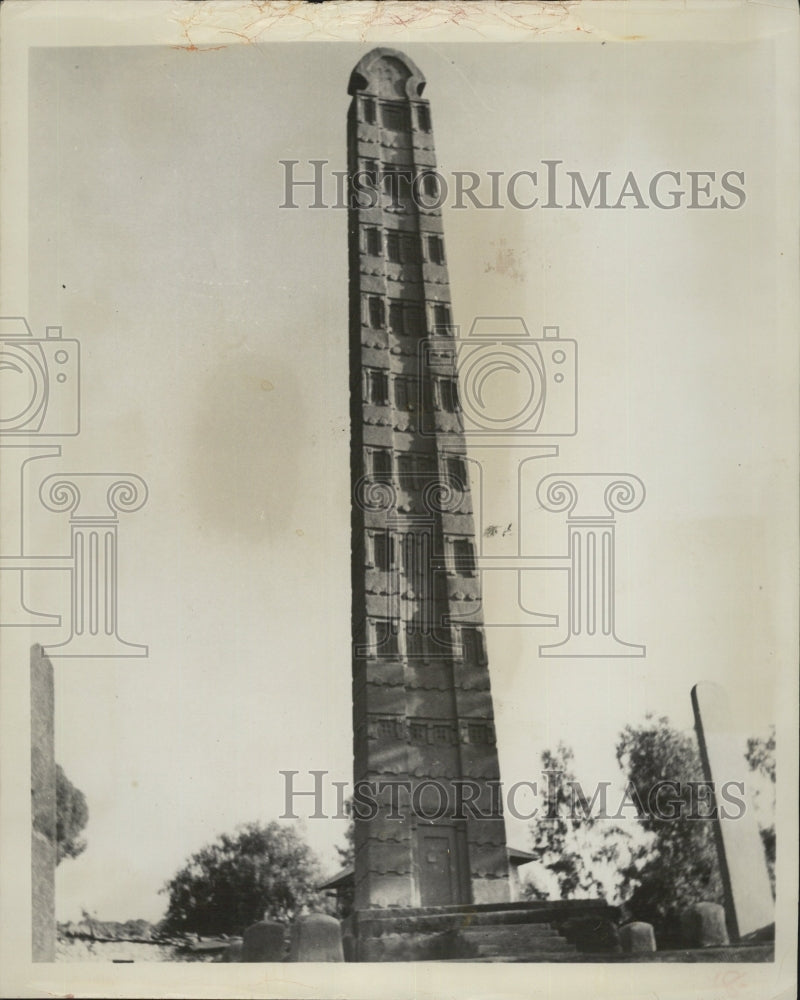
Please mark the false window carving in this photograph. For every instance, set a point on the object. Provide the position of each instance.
(376, 386)
(442, 732)
(423, 118)
(368, 110)
(435, 246)
(371, 171)
(472, 643)
(402, 248)
(479, 732)
(441, 314)
(418, 731)
(393, 246)
(463, 556)
(372, 241)
(447, 391)
(384, 637)
(375, 312)
(395, 117)
(417, 548)
(405, 393)
(380, 463)
(382, 550)
(456, 471)
(396, 184)
(430, 185)
(406, 471)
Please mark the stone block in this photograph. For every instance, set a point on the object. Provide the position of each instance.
(703, 925)
(316, 938)
(389, 857)
(233, 953)
(637, 938)
(264, 942)
(594, 934)
(381, 889)
(395, 947)
(491, 890)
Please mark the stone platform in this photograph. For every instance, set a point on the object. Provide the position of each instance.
(530, 931)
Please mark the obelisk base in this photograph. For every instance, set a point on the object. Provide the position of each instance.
(527, 931)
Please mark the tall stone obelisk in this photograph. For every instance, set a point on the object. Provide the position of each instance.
(422, 706)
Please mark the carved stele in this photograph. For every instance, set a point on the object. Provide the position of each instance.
(422, 704)
(749, 906)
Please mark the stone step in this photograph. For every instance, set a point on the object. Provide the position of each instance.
(521, 948)
(525, 954)
(518, 932)
(373, 927)
(521, 939)
(563, 907)
(534, 956)
(484, 944)
(511, 932)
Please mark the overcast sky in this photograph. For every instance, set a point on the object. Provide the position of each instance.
(213, 328)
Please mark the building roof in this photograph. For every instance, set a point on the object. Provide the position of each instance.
(339, 881)
(517, 857)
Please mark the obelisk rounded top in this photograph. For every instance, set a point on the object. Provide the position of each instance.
(386, 73)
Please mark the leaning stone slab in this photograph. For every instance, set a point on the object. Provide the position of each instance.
(637, 938)
(749, 906)
(703, 925)
(264, 942)
(316, 938)
(43, 807)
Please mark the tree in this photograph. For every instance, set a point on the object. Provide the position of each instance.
(347, 854)
(760, 754)
(260, 870)
(582, 850)
(679, 867)
(72, 815)
(345, 895)
(760, 757)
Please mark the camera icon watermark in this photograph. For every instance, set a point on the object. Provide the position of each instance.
(509, 383)
(39, 381)
(40, 401)
(492, 402)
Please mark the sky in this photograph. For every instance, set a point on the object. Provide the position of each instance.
(214, 364)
